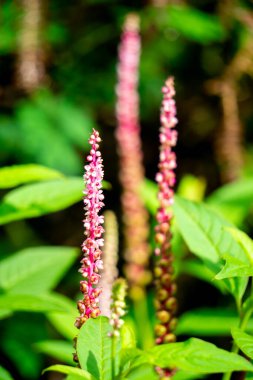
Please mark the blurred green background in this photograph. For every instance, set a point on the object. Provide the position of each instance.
(57, 82)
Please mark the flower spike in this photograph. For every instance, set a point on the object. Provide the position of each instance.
(135, 216)
(166, 302)
(93, 230)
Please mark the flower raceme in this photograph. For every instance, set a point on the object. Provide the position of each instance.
(93, 230)
(165, 286)
(135, 216)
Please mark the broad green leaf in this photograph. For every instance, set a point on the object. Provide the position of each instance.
(29, 302)
(57, 349)
(198, 356)
(144, 371)
(243, 264)
(11, 176)
(70, 371)
(41, 198)
(94, 348)
(132, 358)
(5, 313)
(233, 194)
(206, 236)
(4, 374)
(35, 270)
(209, 322)
(195, 25)
(244, 342)
(201, 229)
(233, 200)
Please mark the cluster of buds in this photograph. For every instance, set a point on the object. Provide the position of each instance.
(118, 305)
(135, 216)
(91, 247)
(166, 302)
(110, 253)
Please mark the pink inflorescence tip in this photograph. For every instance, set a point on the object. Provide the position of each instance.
(167, 163)
(93, 230)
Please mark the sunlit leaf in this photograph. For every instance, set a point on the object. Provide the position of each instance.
(208, 322)
(244, 342)
(241, 265)
(29, 302)
(94, 348)
(198, 356)
(41, 198)
(70, 371)
(206, 235)
(4, 374)
(11, 176)
(35, 270)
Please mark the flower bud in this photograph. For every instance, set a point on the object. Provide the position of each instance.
(162, 295)
(163, 316)
(160, 330)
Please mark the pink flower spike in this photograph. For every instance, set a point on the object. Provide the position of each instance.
(135, 216)
(91, 261)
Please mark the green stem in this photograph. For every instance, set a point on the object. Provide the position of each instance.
(244, 318)
(113, 355)
(144, 328)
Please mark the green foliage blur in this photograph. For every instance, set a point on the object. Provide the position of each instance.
(44, 141)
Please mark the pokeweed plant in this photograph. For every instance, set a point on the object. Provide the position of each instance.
(107, 350)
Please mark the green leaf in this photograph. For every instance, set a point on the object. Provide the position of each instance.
(233, 200)
(195, 25)
(5, 313)
(244, 342)
(35, 270)
(198, 356)
(144, 371)
(128, 339)
(41, 198)
(70, 371)
(234, 194)
(206, 236)
(12, 176)
(94, 348)
(4, 374)
(243, 264)
(208, 322)
(57, 349)
(29, 302)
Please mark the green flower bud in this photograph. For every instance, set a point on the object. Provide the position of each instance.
(160, 330)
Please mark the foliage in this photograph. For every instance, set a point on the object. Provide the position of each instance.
(43, 139)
